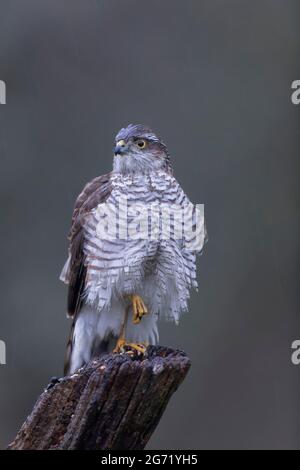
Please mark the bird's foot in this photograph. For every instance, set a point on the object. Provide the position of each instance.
(139, 348)
(139, 308)
(120, 345)
(129, 348)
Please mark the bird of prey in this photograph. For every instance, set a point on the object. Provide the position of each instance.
(118, 286)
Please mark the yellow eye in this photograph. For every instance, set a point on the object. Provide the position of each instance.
(141, 143)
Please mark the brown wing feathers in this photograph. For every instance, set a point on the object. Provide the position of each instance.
(94, 193)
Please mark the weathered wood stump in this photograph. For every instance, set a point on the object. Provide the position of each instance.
(115, 402)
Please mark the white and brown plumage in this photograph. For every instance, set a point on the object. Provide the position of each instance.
(109, 278)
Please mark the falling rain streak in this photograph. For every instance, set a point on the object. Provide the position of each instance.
(2, 353)
(2, 92)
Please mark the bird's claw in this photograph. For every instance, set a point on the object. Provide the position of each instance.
(139, 308)
(139, 348)
(129, 348)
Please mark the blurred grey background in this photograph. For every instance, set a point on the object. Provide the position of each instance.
(213, 78)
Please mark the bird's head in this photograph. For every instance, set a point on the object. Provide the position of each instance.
(139, 150)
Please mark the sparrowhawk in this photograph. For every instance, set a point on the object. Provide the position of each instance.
(118, 286)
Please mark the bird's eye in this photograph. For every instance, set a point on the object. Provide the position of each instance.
(141, 143)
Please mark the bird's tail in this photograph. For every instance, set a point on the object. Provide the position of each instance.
(78, 354)
(70, 345)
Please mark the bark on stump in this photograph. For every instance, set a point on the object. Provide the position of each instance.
(115, 402)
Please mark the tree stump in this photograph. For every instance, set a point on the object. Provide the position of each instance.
(115, 402)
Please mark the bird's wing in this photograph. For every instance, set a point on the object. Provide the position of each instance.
(96, 192)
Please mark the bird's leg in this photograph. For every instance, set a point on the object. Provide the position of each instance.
(121, 340)
(139, 310)
(138, 307)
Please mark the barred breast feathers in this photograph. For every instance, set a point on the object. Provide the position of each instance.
(163, 271)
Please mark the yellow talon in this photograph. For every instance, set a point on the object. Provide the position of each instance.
(129, 348)
(139, 308)
(137, 347)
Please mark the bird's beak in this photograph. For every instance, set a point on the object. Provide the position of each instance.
(120, 148)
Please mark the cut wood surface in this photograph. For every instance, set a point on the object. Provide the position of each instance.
(115, 402)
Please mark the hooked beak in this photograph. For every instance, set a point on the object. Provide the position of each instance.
(120, 148)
